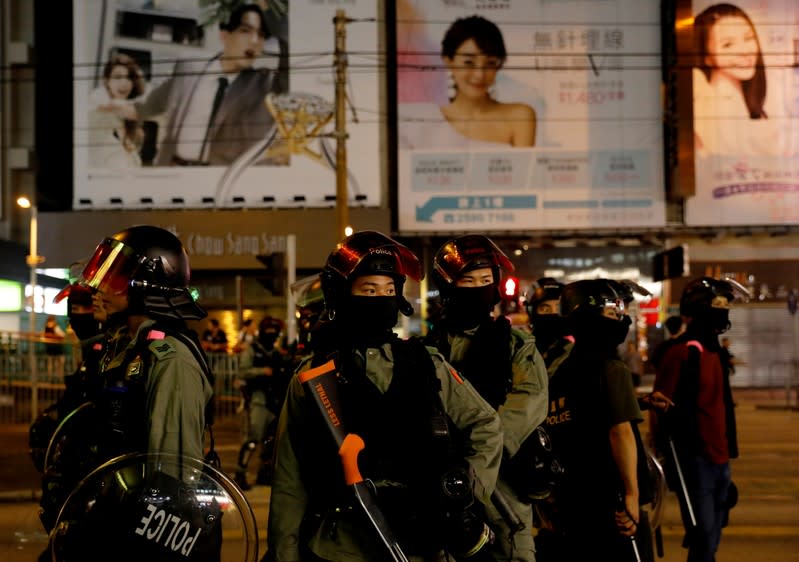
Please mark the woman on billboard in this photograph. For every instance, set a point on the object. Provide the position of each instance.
(730, 81)
(473, 52)
(114, 142)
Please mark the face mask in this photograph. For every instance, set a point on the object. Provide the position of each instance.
(719, 319)
(608, 333)
(469, 306)
(369, 317)
(84, 326)
(547, 329)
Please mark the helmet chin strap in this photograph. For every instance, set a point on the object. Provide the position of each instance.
(405, 308)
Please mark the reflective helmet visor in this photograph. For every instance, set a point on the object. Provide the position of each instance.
(111, 267)
(352, 251)
(308, 292)
(470, 252)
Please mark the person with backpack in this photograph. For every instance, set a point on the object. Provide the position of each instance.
(592, 422)
(501, 362)
(696, 429)
(429, 444)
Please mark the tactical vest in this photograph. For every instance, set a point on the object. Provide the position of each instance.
(487, 362)
(122, 400)
(401, 456)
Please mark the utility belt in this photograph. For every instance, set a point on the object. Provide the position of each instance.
(445, 517)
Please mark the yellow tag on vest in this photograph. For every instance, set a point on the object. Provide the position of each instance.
(134, 369)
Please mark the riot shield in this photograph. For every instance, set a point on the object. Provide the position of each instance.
(73, 444)
(658, 479)
(155, 508)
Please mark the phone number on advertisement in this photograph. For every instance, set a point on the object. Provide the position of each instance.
(478, 218)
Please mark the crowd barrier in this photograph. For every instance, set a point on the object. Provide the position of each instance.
(32, 370)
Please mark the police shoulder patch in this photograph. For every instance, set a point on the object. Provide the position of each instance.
(162, 348)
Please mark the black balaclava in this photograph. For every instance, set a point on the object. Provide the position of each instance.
(367, 319)
(468, 307)
(547, 329)
(600, 332)
(707, 326)
(83, 323)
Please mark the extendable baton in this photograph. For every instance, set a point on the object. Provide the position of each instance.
(320, 382)
(683, 487)
(511, 518)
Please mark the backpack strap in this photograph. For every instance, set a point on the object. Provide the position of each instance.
(696, 345)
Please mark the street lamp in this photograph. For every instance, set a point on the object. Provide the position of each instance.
(32, 261)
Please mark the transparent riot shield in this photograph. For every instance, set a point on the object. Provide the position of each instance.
(155, 508)
(72, 445)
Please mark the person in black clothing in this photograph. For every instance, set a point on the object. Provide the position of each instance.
(81, 387)
(214, 338)
(592, 421)
(546, 323)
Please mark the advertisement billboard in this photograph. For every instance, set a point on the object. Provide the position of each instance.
(197, 103)
(746, 113)
(528, 114)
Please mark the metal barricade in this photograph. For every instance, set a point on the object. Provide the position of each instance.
(27, 388)
(32, 369)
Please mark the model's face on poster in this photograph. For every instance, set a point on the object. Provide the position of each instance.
(119, 83)
(244, 43)
(732, 48)
(473, 71)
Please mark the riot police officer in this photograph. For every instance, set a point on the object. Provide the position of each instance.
(391, 393)
(502, 363)
(156, 391)
(592, 411)
(546, 323)
(260, 364)
(693, 390)
(81, 387)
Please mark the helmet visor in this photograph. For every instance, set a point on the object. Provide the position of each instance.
(454, 257)
(111, 267)
(352, 251)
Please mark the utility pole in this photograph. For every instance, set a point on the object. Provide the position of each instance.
(340, 59)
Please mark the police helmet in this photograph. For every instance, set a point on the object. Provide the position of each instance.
(151, 265)
(464, 254)
(363, 253)
(543, 289)
(698, 296)
(591, 297)
(627, 290)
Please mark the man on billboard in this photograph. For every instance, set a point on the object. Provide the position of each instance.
(213, 110)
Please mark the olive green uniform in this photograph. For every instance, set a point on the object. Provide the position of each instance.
(342, 537)
(175, 387)
(259, 415)
(525, 408)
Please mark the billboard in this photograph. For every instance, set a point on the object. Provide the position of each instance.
(746, 112)
(528, 114)
(191, 103)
